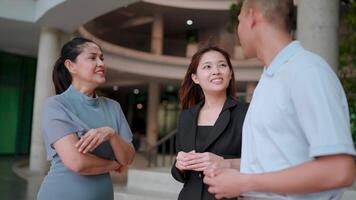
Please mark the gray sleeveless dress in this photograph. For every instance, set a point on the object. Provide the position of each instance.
(73, 112)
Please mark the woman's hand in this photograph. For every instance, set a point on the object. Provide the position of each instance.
(182, 159)
(93, 138)
(208, 162)
(205, 161)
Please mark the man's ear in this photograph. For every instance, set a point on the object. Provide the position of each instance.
(251, 16)
(256, 16)
(195, 78)
(70, 66)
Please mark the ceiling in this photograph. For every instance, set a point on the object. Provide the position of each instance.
(109, 26)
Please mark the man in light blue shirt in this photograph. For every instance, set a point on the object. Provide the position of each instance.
(296, 136)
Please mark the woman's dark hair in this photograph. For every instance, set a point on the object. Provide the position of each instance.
(190, 93)
(60, 75)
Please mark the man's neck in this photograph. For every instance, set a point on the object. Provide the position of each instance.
(271, 44)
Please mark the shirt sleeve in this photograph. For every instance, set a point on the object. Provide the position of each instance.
(322, 110)
(124, 128)
(56, 124)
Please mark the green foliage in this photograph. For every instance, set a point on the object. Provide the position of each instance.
(353, 118)
(192, 36)
(192, 39)
(233, 13)
(347, 59)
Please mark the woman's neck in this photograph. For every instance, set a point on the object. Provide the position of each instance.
(84, 89)
(213, 101)
(213, 105)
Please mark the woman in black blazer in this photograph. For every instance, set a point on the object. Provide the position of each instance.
(210, 126)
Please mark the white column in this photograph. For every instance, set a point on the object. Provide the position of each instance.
(48, 52)
(191, 49)
(317, 28)
(152, 113)
(157, 35)
(250, 87)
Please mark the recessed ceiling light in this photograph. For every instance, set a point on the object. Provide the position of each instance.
(189, 22)
(139, 106)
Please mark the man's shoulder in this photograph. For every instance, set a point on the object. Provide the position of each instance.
(306, 59)
(306, 62)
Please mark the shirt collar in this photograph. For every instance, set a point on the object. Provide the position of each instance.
(282, 57)
(92, 101)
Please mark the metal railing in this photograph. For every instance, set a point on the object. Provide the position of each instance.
(162, 154)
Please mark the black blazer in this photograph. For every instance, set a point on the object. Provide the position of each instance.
(224, 140)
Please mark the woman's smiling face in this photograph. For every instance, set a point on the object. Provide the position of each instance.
(213, 73)
(89, 68)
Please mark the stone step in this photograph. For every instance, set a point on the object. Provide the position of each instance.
(158, 184)
(153, 179)
(349, 195)
(136, 194)
(149, 184)
(125, 193)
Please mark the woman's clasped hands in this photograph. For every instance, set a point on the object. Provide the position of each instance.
(206, 162)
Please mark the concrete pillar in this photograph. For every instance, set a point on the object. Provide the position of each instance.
(152, 113)
(191, 49)
(317, 28)
(250, 87)
(48, 52)
(157, 35)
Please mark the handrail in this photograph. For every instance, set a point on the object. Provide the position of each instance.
(165, 138)
(153, 151)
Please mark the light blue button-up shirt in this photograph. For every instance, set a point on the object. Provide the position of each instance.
(298, 111)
